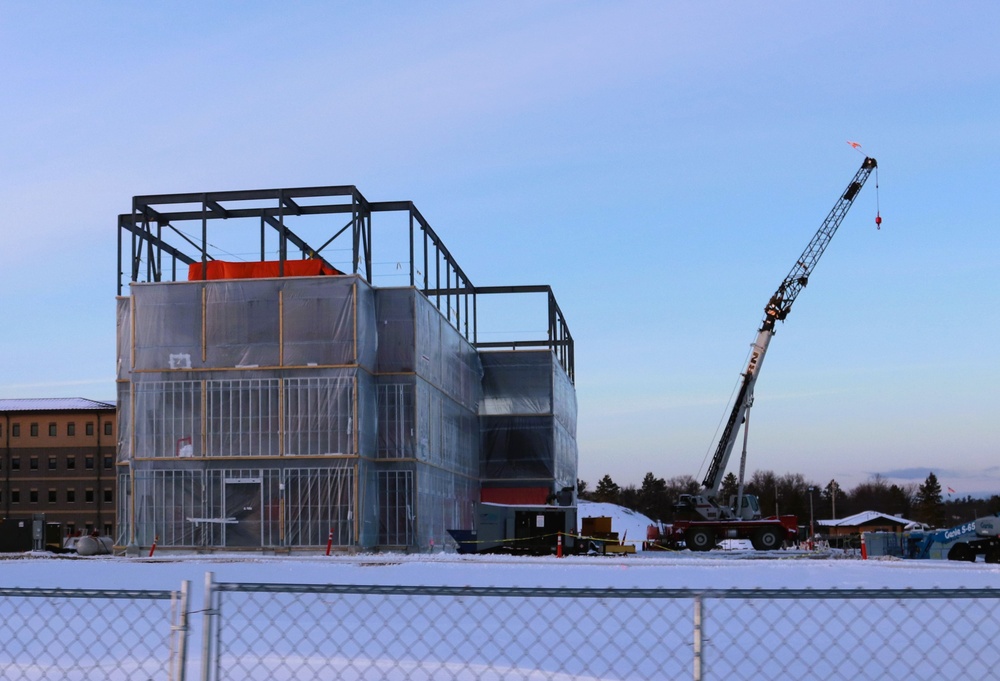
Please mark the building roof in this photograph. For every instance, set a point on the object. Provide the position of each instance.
(54, 404)
(863, 518)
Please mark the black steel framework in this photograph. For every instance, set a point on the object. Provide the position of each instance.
(157, 243)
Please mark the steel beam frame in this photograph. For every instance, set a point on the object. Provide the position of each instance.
(152, 233)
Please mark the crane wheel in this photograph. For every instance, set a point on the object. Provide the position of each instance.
(766, 539)
(699, 539)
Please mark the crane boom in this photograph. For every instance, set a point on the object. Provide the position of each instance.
(777, 309)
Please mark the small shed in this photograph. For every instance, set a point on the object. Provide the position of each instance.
(866, 521)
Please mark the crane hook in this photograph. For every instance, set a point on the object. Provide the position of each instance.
(878, 221)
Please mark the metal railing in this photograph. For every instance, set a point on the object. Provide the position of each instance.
(311, 631)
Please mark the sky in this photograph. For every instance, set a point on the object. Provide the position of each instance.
(661, 165)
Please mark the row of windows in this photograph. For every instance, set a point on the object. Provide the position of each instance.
(15, 429)
(53, 496)
(107, 462)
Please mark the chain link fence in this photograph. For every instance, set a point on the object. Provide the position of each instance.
(87, 634)
(303, 632)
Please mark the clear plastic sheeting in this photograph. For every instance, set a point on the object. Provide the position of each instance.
(251, 417)
(124, 337)
(167, 323)
(528, 420)
(125, 425)
(244, 507)
(249, 323)
(414, 337)
(417, 505)
(270, 412)
(447, 435)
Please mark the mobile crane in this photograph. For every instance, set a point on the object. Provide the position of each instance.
(705, 520)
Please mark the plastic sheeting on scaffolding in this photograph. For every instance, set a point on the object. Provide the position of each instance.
(239, 378)
(528, 424)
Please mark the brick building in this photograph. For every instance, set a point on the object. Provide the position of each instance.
(58, 458)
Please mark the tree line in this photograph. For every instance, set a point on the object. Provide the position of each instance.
(793, 494)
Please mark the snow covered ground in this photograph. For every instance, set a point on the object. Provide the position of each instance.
(823, 628)
(716, 569)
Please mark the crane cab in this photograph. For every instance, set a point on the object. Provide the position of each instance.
(749, 508)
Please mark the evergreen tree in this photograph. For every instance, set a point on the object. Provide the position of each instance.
(581, 490)
(653, 499)
(730, 487)
(607, 490)
(930, 507)
(628, 496)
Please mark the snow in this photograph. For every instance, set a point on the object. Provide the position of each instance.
(718, 569)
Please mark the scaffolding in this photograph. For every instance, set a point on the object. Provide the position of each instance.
(295, 403)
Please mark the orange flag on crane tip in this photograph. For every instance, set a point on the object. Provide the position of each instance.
(856, 145)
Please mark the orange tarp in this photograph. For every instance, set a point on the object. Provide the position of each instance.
(221, 269)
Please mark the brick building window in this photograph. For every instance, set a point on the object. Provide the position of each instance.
(71, 496)
(52, 496)
(108, 428)
(33, 463)
(108, 496)
(15, 496)
(71, 429)
(88, 496)
(109, 461)
(70, 463)
(52, 463)
(33, 496)
(52, 430)
(90, 429)
(15, 463)
(15, 430)
(88, 462)
(34, 430)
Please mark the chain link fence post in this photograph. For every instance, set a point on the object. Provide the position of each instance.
(208, 620)
(698, 638)
(181, 632)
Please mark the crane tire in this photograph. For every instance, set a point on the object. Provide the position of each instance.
(699, 539)
(766, 539)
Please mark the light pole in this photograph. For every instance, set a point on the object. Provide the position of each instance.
(812, 526)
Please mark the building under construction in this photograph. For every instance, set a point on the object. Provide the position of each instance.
(284, 384)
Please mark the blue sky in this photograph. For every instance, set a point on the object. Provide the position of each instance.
(660, 165)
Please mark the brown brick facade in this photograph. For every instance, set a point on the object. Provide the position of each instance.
(60, 462)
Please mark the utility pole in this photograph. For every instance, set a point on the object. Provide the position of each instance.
(812, 526)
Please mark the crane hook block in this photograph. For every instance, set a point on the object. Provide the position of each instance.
(878, 221)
